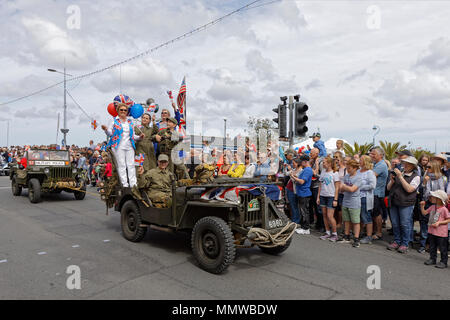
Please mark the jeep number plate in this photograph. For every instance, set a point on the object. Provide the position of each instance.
(49, 163)
(275, 223)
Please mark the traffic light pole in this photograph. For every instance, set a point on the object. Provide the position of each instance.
(291, 117)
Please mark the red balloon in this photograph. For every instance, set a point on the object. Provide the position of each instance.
(112, 109)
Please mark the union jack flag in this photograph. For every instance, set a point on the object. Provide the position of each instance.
(232, 194)
(181, 102)
(123, 99)
(94, 124)
(139, 160)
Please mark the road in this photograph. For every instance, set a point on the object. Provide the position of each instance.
(39, 241)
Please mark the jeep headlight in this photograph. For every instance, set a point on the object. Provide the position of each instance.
(74, 170)
(46, 170)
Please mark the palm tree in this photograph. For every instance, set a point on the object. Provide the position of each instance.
(419, 152)
(390, 149)
(357, 148)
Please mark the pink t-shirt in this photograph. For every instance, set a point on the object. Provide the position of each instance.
(440, 214)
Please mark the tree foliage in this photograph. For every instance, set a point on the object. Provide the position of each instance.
(357, 148)
(391, 148)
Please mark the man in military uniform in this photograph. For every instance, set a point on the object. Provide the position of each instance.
(157, 184)
(203, 173)
(167, 139)
(145, 145)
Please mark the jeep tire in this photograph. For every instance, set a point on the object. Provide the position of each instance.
(34, 190)
(79, 195)
(213, 244)
(130, 221)
(277, 250)
(16, 189)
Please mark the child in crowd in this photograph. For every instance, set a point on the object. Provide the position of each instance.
(328, 197)
(351, 204)
(439, 218)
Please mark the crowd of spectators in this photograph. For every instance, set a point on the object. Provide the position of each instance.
(347, 198)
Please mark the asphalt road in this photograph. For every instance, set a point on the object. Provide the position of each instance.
(39, 241)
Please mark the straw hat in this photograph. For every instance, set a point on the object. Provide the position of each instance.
(411, 160)
(440, 156)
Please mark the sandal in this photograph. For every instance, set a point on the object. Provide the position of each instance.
(376, 237)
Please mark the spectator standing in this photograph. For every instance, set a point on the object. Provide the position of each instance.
(303, 191)
(328, 198)
(351, 204)
(263, 168)
(91, 145)
(439, 218)
(290, 192)
(342, 171)
(368, 184)
(339, 147)
(319, 144)
(402, 192)
(315, 209)
(380, 170)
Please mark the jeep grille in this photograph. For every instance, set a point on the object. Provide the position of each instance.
(57, 173)
(251, 218)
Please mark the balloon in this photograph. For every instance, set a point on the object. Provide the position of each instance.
(136, 110)
(112, 109)
(153, 108)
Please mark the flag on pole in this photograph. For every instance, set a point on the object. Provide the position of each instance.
(181, 102)
(139, 159)
(94, 124)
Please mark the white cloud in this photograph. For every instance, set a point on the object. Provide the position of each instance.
(437, 56)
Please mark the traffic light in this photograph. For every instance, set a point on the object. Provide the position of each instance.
(281, 110)
(300, 118)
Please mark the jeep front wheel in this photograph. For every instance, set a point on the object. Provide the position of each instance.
(79, 195)
(34, 190)
(16, 189)
(213, 244)
(130, 220)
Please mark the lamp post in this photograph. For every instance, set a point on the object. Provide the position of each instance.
(377, 130)
(64, 130)
(7, 132)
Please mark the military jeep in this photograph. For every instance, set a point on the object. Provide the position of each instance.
(217, 227)
(47, 171)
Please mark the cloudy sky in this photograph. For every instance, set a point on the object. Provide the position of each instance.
(356, 63)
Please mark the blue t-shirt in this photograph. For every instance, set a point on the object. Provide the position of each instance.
(381, 171)
(352, 200)
(304, 190)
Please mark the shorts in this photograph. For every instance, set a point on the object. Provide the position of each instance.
(352, 215)
(366, 215)
(378, 205)
(326, 202)
(340, 199)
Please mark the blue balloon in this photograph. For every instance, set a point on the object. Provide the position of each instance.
(136, 111)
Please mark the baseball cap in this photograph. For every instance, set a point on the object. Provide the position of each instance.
(304, 158)
(404, 153)
(163, 157)
(315, 134)
(172, 120)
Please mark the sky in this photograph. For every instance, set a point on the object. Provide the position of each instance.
(355, 63)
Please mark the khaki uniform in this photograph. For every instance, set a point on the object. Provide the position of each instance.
(203, 174)
(145, 146)
(157, 183)
(169, 139)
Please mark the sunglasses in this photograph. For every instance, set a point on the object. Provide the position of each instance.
(125, 110)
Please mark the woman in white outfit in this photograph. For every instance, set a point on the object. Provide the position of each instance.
(122, 144)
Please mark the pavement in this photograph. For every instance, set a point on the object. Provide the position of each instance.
(38, 242)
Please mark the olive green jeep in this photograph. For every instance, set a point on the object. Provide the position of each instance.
(47, 171)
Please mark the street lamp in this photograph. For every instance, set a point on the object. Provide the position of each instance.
(63, 130)
(7, 132)
(377, 130)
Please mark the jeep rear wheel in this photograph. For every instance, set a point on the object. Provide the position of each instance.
(79, 195)
(16, 189)
(130, 220)
(213, 244)
(34, 190)
(277, 250)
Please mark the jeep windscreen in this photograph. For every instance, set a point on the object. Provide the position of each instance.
(59, 155)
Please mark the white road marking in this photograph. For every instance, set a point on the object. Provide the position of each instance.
(41, 253)
(106, 240)
(76, 246)
(2, 261)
